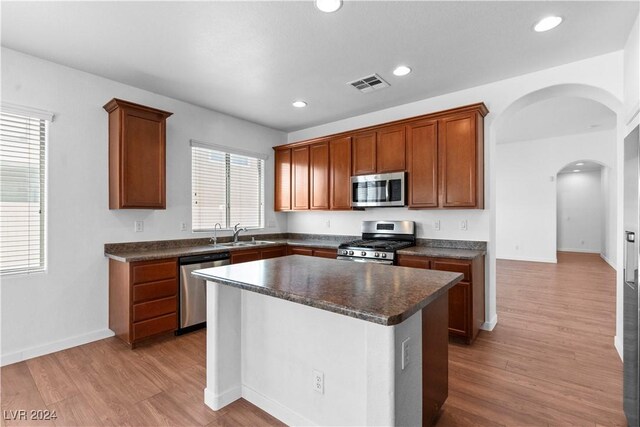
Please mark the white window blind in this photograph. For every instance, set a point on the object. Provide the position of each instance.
(22, 192)
(227, 188)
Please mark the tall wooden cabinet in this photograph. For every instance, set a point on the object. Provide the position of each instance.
(300, 178)
(282, 195)
(137, 156)
(422, 164)
(340, 173)
(319, 176)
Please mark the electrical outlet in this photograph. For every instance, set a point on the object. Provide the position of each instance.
(138, 226)
(328, 223)
(405, 353)
(318, 381)
(183, 226)
(436, 225)
(463, 225)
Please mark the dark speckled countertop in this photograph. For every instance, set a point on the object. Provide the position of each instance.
(147, 251)
(366, 291)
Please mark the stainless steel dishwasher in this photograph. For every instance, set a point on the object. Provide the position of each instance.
(192, 307)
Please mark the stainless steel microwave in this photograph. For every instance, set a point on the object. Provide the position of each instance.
(387, 189)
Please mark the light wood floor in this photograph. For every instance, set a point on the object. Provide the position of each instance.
(550, 361)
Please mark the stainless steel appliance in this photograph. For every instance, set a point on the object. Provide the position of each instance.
(192, 305)
(387, 189)
(631, 311)
(380, 241)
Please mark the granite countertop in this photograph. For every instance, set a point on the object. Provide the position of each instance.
(131, 253)
(366, 291)
(433, 252)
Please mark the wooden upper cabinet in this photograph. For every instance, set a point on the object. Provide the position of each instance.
(137, 156)
(391, 149)
(340, 173)
(300, 178)
(364, 153)
(282, 193)
(319, 175)
(461, 153)
(422, 164)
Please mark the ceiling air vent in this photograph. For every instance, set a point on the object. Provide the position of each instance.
(369, 83)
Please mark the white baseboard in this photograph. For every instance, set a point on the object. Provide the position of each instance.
(608, 261)
(219, 401)
(580, 250)
(530, 259)
(52, 347)
(617, 343)
(274, 408)
(488, 326)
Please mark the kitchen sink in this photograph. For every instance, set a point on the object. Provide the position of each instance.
(240, 244)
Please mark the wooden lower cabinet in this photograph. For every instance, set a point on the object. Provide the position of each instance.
(466, 298)
(255, 254)
(143, 298)
(310, 251)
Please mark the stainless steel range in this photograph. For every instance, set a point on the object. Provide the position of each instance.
(380, 241)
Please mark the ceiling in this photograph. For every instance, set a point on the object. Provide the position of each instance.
(586, 166)
(556, 117)
(252, 59)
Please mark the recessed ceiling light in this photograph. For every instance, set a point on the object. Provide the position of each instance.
(299, 104)
(579, 164)
(548, 23)
(328, 5)
(402, 70)
(576, 170)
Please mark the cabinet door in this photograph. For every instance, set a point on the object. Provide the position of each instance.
(459, 315)
(460, 150)
(340, 173)
(300, 178)
(319, 172)
(245, 256)
(364, 153)
(390, 149)
(422, 164)
(282, 194)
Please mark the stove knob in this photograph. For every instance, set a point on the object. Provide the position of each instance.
(344, 252)
(376, 255)
(363, 253)
(384, 255)
(350, 252)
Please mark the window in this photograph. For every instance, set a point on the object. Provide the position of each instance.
(227, 187)
(22, 190)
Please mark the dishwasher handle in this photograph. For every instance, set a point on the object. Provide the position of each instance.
(198, 259)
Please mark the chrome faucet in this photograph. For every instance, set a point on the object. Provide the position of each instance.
(237, 231)
(214, 239)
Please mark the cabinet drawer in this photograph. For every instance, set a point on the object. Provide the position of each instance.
(148, 310)
(326, 253)
(155, 326)
(152, 272)
(245, 256)
(414, 261)
(296, 250)
(274, 252)
(155, 290)
(463, 267)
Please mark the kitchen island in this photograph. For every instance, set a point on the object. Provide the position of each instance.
(328, 342)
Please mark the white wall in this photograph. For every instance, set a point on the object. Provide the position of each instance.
(68, 303)
(580, 212)
(526, 190)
